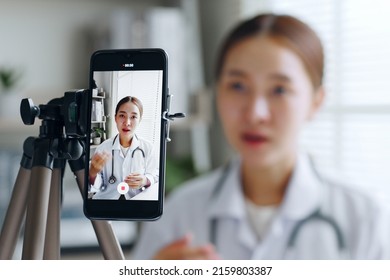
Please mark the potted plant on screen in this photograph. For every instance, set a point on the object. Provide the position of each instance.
(97, 135)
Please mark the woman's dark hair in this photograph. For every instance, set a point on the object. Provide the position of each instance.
(132, 99)
(285, 30)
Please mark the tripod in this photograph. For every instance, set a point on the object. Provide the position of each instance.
(37, 191)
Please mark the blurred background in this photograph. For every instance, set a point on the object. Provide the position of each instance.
(45, 46)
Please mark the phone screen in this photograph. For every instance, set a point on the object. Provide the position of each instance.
(126, 151)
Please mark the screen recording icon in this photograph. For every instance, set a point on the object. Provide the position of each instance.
(122, 188)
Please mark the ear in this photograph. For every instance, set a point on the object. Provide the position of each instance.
(317, 101)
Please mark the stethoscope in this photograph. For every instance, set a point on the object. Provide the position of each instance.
(317, 215)
(112, 179)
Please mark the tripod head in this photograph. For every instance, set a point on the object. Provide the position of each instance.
(63, 123)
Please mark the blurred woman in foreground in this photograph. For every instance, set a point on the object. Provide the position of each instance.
(269, 202)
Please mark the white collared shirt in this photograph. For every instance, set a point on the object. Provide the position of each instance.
(194, 207)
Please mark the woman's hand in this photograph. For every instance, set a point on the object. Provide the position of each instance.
(182, 250)
(136, 180)
(98, 161)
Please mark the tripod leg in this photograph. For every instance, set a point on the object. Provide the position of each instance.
(15, 214)
(108, 242)
(52, 241)
(36, 218)
(17, 205)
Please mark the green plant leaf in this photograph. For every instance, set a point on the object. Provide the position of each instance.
(8, 78)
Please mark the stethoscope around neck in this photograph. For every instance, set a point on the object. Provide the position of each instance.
(112, 179)
(317, 215)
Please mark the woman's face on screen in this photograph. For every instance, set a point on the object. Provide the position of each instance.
(127, 120)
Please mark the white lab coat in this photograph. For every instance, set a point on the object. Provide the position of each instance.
(123, 166)
(364, 223)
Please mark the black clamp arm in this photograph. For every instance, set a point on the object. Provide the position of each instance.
(168, 117)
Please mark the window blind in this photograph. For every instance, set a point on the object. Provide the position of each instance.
(350, 137)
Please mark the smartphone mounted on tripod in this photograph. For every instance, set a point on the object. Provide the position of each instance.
(128, 120)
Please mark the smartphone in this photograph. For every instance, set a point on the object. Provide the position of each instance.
(126, 150)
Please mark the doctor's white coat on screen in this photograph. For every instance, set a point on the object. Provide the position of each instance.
(193, 208)
(137, 162)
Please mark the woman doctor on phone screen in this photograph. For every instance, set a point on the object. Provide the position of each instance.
(269, 202)
(125, 159)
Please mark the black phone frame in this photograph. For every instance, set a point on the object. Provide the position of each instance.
(120, 60)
